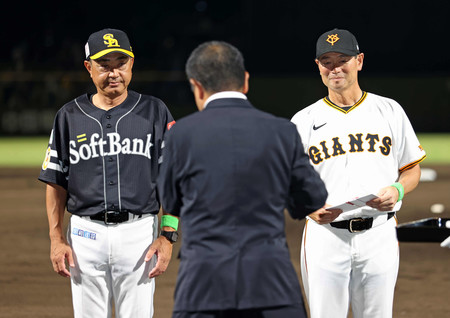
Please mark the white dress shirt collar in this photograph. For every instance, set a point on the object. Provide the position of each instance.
(226, 94)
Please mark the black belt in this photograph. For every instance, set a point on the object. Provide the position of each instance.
(357, 224)
(111, 217)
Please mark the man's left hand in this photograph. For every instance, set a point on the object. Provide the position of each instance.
(387, 198)
(162, 248)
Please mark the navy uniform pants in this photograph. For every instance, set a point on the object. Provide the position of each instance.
(271, 312)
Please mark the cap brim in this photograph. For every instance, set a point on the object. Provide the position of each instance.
(104, 52)
(343, 51)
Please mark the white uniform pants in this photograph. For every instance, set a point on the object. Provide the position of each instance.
(339, 268)
(110, 267)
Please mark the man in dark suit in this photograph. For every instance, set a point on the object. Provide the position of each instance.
(229, 171)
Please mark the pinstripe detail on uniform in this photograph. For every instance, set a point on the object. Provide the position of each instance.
(330, 103)
(117, 156)
(103, 158)
(412, 164)
(86, 140)
(304, 245)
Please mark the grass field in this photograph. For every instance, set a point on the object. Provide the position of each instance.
(30, 151)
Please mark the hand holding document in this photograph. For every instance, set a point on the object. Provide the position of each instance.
(354, 204)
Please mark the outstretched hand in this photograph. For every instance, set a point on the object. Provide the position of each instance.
(324, 216)
(162, 248)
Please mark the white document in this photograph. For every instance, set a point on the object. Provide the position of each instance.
(354, 204)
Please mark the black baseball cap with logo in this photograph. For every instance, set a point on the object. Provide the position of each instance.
(106, 41)
(337, 40)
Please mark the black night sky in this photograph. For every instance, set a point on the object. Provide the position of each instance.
(405, 45)
(276, 37)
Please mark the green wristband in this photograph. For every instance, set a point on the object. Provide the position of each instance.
(170, 221)
(400, 189)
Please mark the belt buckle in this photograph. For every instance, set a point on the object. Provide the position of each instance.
(350, 225)
(106, 217)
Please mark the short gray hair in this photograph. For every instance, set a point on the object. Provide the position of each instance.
(217, 65)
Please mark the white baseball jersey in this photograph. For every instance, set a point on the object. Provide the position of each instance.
(360, 150)
(357, 150)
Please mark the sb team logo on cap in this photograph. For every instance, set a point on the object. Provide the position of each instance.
(110, 40)
(106, 41)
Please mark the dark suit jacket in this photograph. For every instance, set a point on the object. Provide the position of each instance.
(229, 172)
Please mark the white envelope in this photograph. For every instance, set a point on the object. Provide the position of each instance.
(354, 204)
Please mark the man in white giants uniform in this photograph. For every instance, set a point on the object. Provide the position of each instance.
(360, 144)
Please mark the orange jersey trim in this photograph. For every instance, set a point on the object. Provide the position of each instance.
(412, 164)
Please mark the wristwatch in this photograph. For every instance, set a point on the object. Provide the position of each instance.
(171, 236)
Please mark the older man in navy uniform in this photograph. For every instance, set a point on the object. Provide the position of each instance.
(229, 172)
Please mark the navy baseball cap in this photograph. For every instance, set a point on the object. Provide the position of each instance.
(337, 40)
(106, 41)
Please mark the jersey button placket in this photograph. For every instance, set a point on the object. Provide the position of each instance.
(108, 125)
(110, 159)
(111, 168)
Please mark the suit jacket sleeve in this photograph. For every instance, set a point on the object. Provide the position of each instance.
(168, 183)
(307, 191)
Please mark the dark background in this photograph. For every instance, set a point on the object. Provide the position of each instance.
(405, 45)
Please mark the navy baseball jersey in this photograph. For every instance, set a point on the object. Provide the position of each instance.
(108, 160)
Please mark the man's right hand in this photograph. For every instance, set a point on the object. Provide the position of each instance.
(59, 252)
(323, 216)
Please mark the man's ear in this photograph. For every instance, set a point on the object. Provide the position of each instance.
(199, 93)
(88, 66)
(360, 59)
(197, 88)
(246, 87)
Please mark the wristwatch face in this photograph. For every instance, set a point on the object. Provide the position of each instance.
(171, 236)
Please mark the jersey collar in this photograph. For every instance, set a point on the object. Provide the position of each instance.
(345, 110)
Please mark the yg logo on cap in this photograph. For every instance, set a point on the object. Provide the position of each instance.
(110, 40)
(333, 38)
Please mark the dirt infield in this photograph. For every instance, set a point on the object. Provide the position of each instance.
(30, 288)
